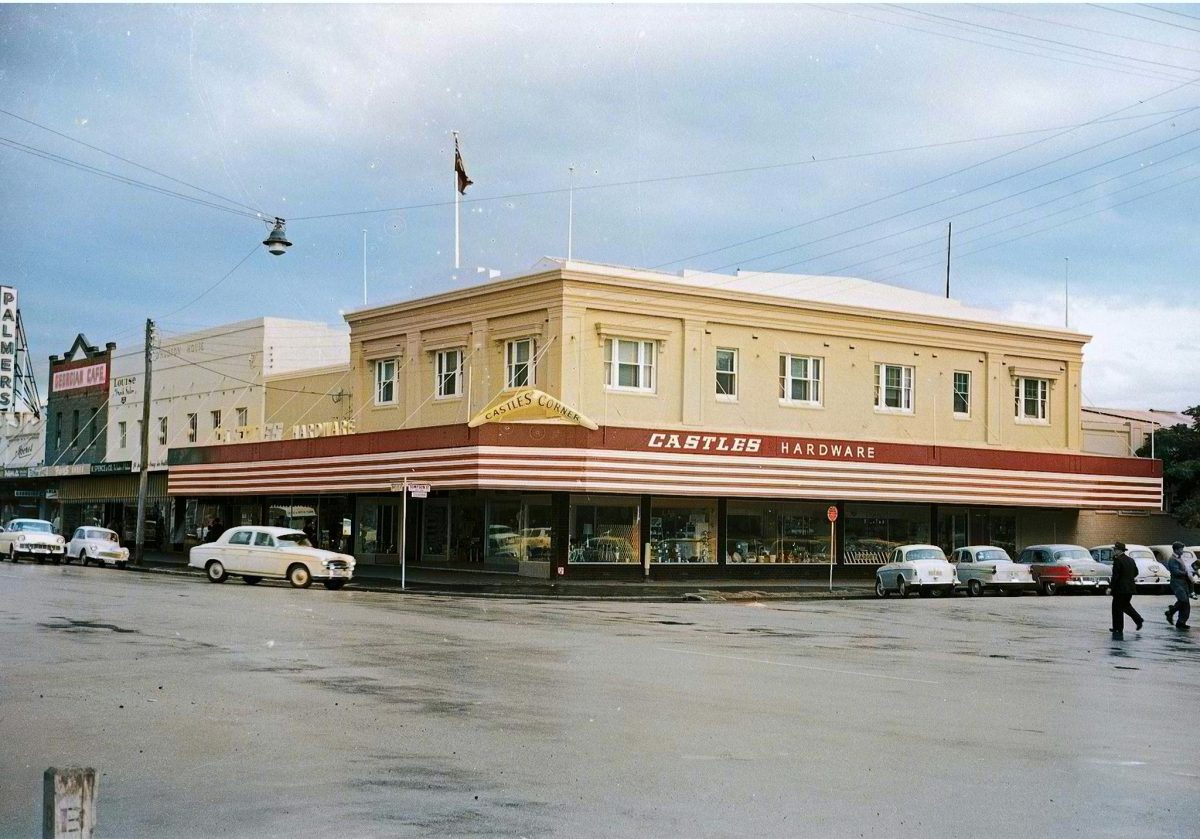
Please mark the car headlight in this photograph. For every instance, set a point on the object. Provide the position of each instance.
(21, 537)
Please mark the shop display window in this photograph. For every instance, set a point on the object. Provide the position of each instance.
(683, 530)
(769, 532)
(519, 528)
(873, 530)
(604, 529)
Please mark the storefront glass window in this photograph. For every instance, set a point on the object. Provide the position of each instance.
(519, 528)
(873, 530)
(604, 529)
(766, 532)
(683, 530)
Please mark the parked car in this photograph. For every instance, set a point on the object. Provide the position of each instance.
(1151, 573)
(257, 553)
(33, 539)
(99, 545)
(983, 567)
(920, 568)
(1057, 568)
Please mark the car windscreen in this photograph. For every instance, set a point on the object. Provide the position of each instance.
(32, 526)
(293, 540)
(103, 535)
(987, 556)
(1072, 553)
(924, 553)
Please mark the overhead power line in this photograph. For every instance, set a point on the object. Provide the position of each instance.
(131, 162)
(1143, 17)
(104, 173)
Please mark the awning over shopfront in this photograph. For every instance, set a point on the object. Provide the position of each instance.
(556, 457)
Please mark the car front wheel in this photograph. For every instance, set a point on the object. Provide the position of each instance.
(216, 572)
(299, 577)
(880, 591)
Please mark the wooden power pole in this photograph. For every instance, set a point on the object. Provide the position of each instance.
(139, 548)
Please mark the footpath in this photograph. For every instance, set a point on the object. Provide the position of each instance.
(435, 581)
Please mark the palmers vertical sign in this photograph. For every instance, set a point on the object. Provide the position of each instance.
(8, 347)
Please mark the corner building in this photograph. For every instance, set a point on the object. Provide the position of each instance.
(590, 420)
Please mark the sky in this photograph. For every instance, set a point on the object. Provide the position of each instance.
(1062, 142)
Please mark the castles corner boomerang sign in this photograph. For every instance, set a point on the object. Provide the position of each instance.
(529, 405)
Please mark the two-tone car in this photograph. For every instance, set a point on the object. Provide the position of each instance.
(271, 553)
(1152, 575)
(1059, 568)
(920, 568)
(984, 567)
(31, 539)
(99, 545)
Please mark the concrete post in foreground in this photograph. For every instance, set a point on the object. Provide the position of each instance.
(68, 803)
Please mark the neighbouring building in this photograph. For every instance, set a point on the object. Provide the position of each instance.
(208, 386)
(1123, 432)
(595, 420)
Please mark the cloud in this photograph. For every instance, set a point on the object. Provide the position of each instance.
(1143, 353)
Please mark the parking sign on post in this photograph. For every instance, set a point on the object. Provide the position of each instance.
(831, 514)
(419, 490)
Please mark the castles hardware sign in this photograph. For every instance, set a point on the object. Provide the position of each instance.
(8, 347)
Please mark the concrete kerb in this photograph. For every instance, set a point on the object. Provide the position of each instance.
(602, 591)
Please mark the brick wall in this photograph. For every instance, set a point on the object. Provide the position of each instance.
(1103, 528)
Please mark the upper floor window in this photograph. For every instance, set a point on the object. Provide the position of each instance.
(962, 393)
(193, 424)
(162, 431)
(58, 422)
(122, 434)
(520, 363)
(1032, 398)
(894, 388)
(94, 427)
(800, 379)
(243, 417)
(385, 382)
(629, 364)
(448, 371)
(75, 426)
(216, 419)
(727, 371)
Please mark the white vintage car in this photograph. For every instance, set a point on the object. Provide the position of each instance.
(983, 567)
(257, 553)
(1151, 573)
(99, 545)
(32, 539)
(920, 568)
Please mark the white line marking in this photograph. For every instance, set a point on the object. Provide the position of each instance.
(801, 666)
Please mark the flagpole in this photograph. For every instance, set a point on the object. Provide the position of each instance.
(457, 197)
(570, 211)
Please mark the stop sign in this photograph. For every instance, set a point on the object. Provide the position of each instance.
(831, 514)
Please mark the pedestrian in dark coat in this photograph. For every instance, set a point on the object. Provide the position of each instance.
(1181, 586)
(1124, 575)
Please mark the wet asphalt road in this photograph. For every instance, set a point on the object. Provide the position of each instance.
(270, 712)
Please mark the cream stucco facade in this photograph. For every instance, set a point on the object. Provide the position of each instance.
(571, 310)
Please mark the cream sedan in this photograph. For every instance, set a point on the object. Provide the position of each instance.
(982, 567)
(274, 553)
(920, 568)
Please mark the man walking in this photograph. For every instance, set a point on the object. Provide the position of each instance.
(1124, 575)
(1181, 586)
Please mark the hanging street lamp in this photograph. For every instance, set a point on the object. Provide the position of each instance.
(277, 242)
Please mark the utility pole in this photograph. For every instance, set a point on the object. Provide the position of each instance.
(139, 548)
